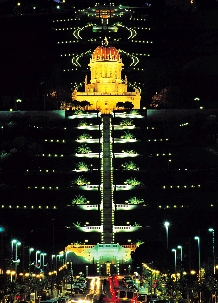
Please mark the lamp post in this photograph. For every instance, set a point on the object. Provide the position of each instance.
(213, 250)
(54, 270)
(16, 260)
(59, 256)
(199, 256)
(166, 225)
(199, 262)
(37, 253)
(12, 248)
(180, 247)
(30, 250)
(43, 260)
(54, 266)
(66, 256)
(2, 229)
(19, 102)
(211, 230)
(174, 250)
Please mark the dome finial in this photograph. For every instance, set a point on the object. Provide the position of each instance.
(105, 42)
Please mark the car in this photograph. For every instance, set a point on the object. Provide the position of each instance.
(147, 298)
(63, 299)
(55, 300)
(126, 295)
(142, 299)
(152, 298)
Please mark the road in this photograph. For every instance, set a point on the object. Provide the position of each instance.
(105, 289)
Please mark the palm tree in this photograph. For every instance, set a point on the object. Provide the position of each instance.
(126, 122)
(83, 149)
(78, 111)
(134, 112)
(80, 181)
(129, 151)
(83, 123)
(127, 135)
(84, 136)
(135, 200)
(80, 199)
(77, 224)
(132, 181)
(129, 166)
(82, 166)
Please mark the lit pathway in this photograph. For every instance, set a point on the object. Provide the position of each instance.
(107, 210)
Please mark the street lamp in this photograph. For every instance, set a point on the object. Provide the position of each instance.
(180, 247)
(213, 249)
(12, 248)
(199, 257)
(174, 250)
(43, 260)
(16, 260)
(54, 266)
(18, 103)
(2, 229)
(11, 273)
(199, 262)
(59, 256)
(166, 225)
(30, 250)
(37, 253)
(66, 254)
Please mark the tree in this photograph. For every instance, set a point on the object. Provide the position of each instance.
(120, 104)
(127, 135)
(75, 104)
(159, 99)
(84, 136)
(135, 200)
(129, 166)
(80, 181)
(83, 149)
(85, 104)
(133, 182)
(82, 166)
(127, 122)
(55, 97)
(80, 199)
(168, 97)
(128, 105)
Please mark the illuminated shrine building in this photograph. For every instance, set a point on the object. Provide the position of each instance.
(106, 87)
(105, 90)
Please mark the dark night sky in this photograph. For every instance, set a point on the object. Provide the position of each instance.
(185, 51)
(29, 53)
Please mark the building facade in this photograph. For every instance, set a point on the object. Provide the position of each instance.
(106, 87)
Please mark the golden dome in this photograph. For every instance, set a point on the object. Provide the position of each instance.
(106, 53)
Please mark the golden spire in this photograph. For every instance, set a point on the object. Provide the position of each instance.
(105, 43)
